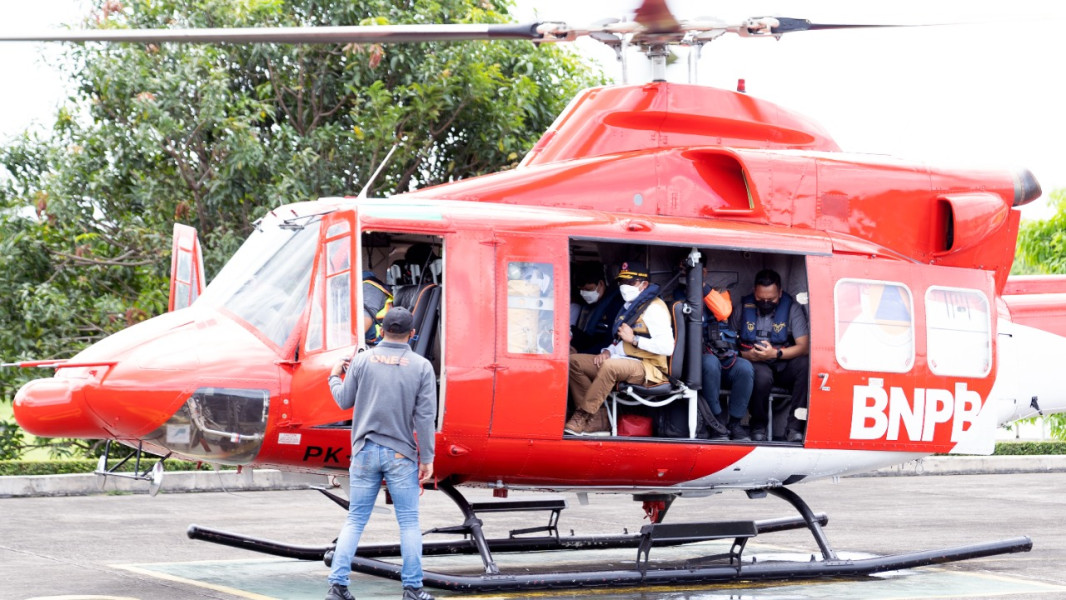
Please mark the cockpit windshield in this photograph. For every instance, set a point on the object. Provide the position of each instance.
(266, 281)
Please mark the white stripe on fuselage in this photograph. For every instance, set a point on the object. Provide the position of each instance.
(765, 466)
(770, 466)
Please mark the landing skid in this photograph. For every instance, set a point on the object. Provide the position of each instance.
(725, 567)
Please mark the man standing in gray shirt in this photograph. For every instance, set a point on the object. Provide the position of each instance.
(392, 394)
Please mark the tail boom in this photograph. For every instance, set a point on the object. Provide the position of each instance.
(1031, 345)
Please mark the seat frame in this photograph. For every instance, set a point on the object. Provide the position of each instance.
(631, 394)
(424, 303)
(776, 394)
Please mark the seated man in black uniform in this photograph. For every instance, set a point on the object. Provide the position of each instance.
(377, 300)
(775, 337)
(593, 316)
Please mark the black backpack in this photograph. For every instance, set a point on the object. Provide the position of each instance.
(671, 421)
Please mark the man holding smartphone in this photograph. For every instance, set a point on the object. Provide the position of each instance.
(775, 337)
(393, 396)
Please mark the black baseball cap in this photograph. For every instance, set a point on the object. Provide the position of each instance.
(398, 320)
(632, 270)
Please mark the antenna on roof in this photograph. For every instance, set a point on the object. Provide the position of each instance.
(366, 188)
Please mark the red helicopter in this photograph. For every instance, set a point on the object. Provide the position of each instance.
(917, 333)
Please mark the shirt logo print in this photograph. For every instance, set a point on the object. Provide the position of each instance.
(390, 360)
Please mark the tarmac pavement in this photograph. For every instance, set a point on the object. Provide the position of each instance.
(124, 545)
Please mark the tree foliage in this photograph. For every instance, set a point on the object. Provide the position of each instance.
(11, 440)
(1042, 244)
(1042, 250)
(216, 135)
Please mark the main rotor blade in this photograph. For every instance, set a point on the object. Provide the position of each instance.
(292, 35)
(781, 25)
(655, 17)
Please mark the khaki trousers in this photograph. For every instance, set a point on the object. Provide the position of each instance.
(590, 384)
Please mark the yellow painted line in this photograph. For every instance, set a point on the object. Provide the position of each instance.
(193, 582)
(81, 597)
(233, 561)
(633, 589)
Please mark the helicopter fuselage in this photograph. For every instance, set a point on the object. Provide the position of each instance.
(901, 269)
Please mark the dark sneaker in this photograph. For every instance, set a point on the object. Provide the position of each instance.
(758, 435)
(339, 592)
(738, 433)
(410, 593)
(793, 436)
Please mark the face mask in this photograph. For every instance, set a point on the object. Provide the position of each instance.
(629, 292)
(590, 296)
(766, 307)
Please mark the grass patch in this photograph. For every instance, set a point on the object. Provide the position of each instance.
(84, 466)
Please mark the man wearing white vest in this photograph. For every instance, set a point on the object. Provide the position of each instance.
(643, 339)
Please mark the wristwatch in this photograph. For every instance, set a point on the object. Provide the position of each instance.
(779, 353)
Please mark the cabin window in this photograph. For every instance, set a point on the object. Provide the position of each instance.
(314, 326)
(184, 278)
(338, 288)
(874, 325)
(530, 308)
(338, 311)
(959, 329)
(330, 325)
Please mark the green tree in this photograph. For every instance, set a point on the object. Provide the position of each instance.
(1042, 250)
(11, 440)
(216, 135)
(1042, 244)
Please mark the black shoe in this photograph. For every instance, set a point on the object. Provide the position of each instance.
(793, 436)
(738, 433)
(758, 435)
(410, 593)
(339, 592)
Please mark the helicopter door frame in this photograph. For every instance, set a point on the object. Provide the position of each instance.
(334, 284)
(864, 311)
(329, 328)
(532, 288)
(186, 268)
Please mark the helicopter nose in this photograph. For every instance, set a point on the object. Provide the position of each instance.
(55, 407)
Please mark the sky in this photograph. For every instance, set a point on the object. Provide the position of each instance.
(990, 93)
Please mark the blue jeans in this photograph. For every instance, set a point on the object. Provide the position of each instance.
(372, 463)
(740, 376)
